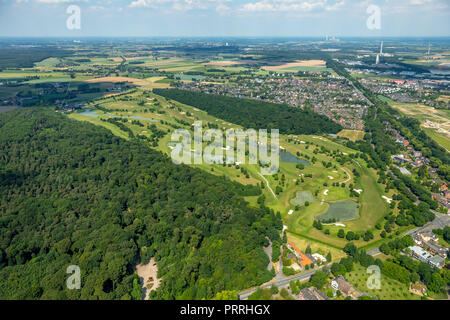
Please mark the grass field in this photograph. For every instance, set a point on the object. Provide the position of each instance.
(302, 244)
(441, 138)
(435, 122)
(372, 206)
(353, 135)
(390, 289)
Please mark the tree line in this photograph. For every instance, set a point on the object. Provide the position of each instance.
(253, 113)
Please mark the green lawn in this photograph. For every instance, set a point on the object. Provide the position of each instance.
(440, 138)
(390, 289)
(372, 206)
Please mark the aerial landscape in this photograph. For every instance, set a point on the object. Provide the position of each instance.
(203, 167)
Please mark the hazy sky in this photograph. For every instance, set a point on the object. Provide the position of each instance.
(224, 18)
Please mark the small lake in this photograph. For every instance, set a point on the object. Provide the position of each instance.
(340, 211)
(290, 158)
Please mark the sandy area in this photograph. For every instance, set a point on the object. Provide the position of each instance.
(298, 63)
(144, 272)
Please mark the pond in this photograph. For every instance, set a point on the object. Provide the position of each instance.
(290, 158)
(340, 211)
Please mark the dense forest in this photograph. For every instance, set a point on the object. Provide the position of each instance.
(71, 193)
(255, 114)
(25, 57)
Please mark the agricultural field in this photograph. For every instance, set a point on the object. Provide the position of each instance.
(303, 65)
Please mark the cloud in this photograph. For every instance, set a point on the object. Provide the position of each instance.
(96, 8)
(139, 3)
(419, 2)
(223, 9)
(291, 6)
(57, 1)
(180, 5)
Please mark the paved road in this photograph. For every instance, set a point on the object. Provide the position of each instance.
(440, 221)
(279, 283)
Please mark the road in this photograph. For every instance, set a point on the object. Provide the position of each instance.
(282, 282)
(440, 221)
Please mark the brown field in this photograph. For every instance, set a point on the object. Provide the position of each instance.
(139, 82)
(210, 82)
(352, 135)
(7, 108)
(136, 58)
(165, 61)
(444, 98)
(298, 63)
(148, 83)
(222, 63)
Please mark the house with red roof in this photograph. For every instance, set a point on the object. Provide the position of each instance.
(301, 257)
